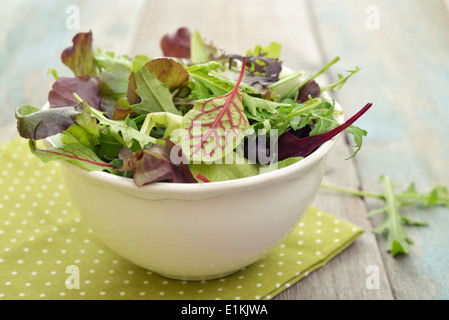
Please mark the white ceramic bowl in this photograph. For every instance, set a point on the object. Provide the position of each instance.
(196, 231)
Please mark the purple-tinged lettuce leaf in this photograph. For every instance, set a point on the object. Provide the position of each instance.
(177, 44)
(291, 146)
(80, 57)
(34, 123)
(61, 94)
(75, 153)
(153, 164)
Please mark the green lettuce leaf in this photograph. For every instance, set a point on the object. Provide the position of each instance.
(238, 168)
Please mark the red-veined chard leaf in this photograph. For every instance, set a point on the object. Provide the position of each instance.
(80, 57)
(34, 123)
(291, 146)
(215, 126)
(153, 164)
(75, 153)
(86, 87)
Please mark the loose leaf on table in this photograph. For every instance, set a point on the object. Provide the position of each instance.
(61, 93)
(215, 126)
(154, 164)
(398, 242)
(80, 57)
(75, 153)
(177, 44)
(291, 146)
(154, 95)
(34, 123)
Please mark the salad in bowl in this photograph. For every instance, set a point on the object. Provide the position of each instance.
(192, 165)
(195, 115)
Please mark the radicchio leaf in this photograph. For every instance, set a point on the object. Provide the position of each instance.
(34, 123)
(291, 146)
(215, 126)
(177, 44)
(312, 88)
(86, 87)
(80, 57)
(153, 164)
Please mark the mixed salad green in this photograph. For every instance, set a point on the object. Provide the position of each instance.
(195, 115)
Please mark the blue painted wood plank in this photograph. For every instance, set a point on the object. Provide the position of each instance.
(405, 73)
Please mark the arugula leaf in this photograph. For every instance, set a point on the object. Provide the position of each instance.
(205, 83)
(34, 123)
(341, 81)
(220, 122)
(80, 57)
(75, 153)
(155, 96)
(398, 242)
(167, 71)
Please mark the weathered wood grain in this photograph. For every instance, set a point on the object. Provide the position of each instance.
(237, 26)
(34, 34)
(405, 68)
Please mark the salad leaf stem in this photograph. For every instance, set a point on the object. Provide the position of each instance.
(293, 91)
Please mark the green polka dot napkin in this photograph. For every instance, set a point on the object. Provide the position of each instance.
(48, 252)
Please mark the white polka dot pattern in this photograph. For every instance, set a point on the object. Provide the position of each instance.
(48, 252)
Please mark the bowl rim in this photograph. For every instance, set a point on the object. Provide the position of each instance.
(210, 189)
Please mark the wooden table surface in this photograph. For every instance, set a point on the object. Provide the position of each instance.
(402, 47)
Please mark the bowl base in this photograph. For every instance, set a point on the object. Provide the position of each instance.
(196, 278)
